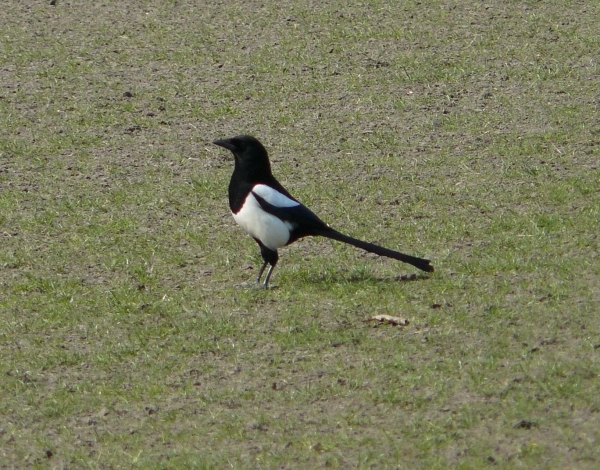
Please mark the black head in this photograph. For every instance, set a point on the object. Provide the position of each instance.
(250, 156)
(242, 146)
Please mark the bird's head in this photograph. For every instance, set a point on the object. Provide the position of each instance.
(243, 147)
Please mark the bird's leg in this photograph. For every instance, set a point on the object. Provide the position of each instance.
(268, 276)
(262, 270)
(270, 257)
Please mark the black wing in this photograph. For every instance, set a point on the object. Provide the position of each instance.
(303, 221)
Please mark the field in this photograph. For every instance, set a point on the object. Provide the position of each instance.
(464, 132)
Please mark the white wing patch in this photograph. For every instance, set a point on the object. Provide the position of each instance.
(273, 196)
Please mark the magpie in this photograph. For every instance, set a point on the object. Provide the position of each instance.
(272, 216)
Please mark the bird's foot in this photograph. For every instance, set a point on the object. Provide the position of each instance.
(257, 286)
(264, 286)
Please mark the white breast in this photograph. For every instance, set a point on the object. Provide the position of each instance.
(271, 231)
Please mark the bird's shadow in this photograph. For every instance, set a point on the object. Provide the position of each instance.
(355, 278)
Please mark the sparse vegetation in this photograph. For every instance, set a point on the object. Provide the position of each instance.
(468, 133)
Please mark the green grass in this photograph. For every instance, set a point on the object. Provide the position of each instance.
(466, 133)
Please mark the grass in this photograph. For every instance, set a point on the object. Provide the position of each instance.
(465, 133)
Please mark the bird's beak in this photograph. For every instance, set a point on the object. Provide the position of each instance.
(225, 143)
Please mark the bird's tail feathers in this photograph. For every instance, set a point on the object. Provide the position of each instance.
(421, 263)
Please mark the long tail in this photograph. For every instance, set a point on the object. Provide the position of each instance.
(422, 264)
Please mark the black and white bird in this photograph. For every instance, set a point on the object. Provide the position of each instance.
(262, 206)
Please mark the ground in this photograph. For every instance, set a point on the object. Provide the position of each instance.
(466, 133)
